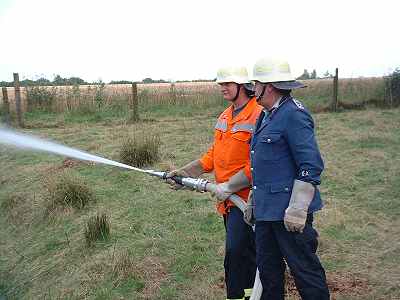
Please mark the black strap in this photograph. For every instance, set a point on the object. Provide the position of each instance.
(262, 93)
(237, 92)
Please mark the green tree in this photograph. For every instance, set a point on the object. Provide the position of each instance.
(121, 82)
(75, 81)
(148, 80)
(43, 81)
(327, 74)
(58, 80)
(313, 74)
(305, 75)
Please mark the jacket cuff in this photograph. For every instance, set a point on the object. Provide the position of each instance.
(206, 166)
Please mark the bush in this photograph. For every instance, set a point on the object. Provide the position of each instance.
(97, 228)
(392, 83)
(41, 98)
(99, 96)
(140, 150)
(69, 190)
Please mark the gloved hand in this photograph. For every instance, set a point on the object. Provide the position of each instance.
(193, 169)
(296, 213)
(236, 183)
(248, 214)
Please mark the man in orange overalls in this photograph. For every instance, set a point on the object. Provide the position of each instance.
(227, 157)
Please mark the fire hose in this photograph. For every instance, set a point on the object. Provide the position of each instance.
(203, 185)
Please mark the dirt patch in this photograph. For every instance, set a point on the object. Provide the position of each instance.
(67, 163)
(339, 283)
(154, 274)
(347, 284)
(70, 163)
(43, 125)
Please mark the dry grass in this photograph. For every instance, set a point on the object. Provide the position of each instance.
(124, 265)
(140, 150)
(67, 189)
(69, 97)
(97, 229)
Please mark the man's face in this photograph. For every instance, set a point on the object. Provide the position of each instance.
(229, 90)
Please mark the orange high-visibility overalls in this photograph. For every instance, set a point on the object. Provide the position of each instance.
(231, 150)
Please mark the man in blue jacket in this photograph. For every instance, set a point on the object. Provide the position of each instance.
(286, 166)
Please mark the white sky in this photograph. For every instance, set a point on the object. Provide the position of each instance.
(172, 39)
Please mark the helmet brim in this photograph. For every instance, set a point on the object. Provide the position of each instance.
(238, 81)
(288, 85)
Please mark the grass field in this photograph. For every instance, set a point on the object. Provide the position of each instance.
(169, 245)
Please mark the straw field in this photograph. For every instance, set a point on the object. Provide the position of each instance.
(317, 96)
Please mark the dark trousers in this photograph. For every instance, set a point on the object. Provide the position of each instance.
(240, 255)
(275, 245)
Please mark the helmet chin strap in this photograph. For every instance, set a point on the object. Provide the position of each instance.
(237, 92)
(259, 97)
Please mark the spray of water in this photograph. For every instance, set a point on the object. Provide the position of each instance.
(24, 141)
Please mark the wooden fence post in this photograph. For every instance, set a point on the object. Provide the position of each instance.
(335, 90)
(134, 105)
(18, 103)
(6, 106)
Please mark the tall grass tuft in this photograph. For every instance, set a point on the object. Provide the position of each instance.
(97, 228)
(11, 201)
(123, 266)
(11, 205)
(140, 150)
(69, 190)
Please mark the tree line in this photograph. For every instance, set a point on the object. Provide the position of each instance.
(313, 75)
(58, 80)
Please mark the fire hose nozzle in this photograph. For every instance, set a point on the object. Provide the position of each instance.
(197, 184)
(200, 185)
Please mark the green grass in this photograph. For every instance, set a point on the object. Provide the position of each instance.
(173, 241)
(117, 114)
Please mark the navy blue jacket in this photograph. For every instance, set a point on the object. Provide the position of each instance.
(283, 148)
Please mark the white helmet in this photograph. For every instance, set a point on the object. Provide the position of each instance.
(276, 72)
(233, 74)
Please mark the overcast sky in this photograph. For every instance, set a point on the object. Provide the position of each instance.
(171, 39)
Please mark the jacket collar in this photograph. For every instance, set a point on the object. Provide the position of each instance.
(275, 108)
(244, 114)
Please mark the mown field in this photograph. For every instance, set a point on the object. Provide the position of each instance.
(168, 244)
